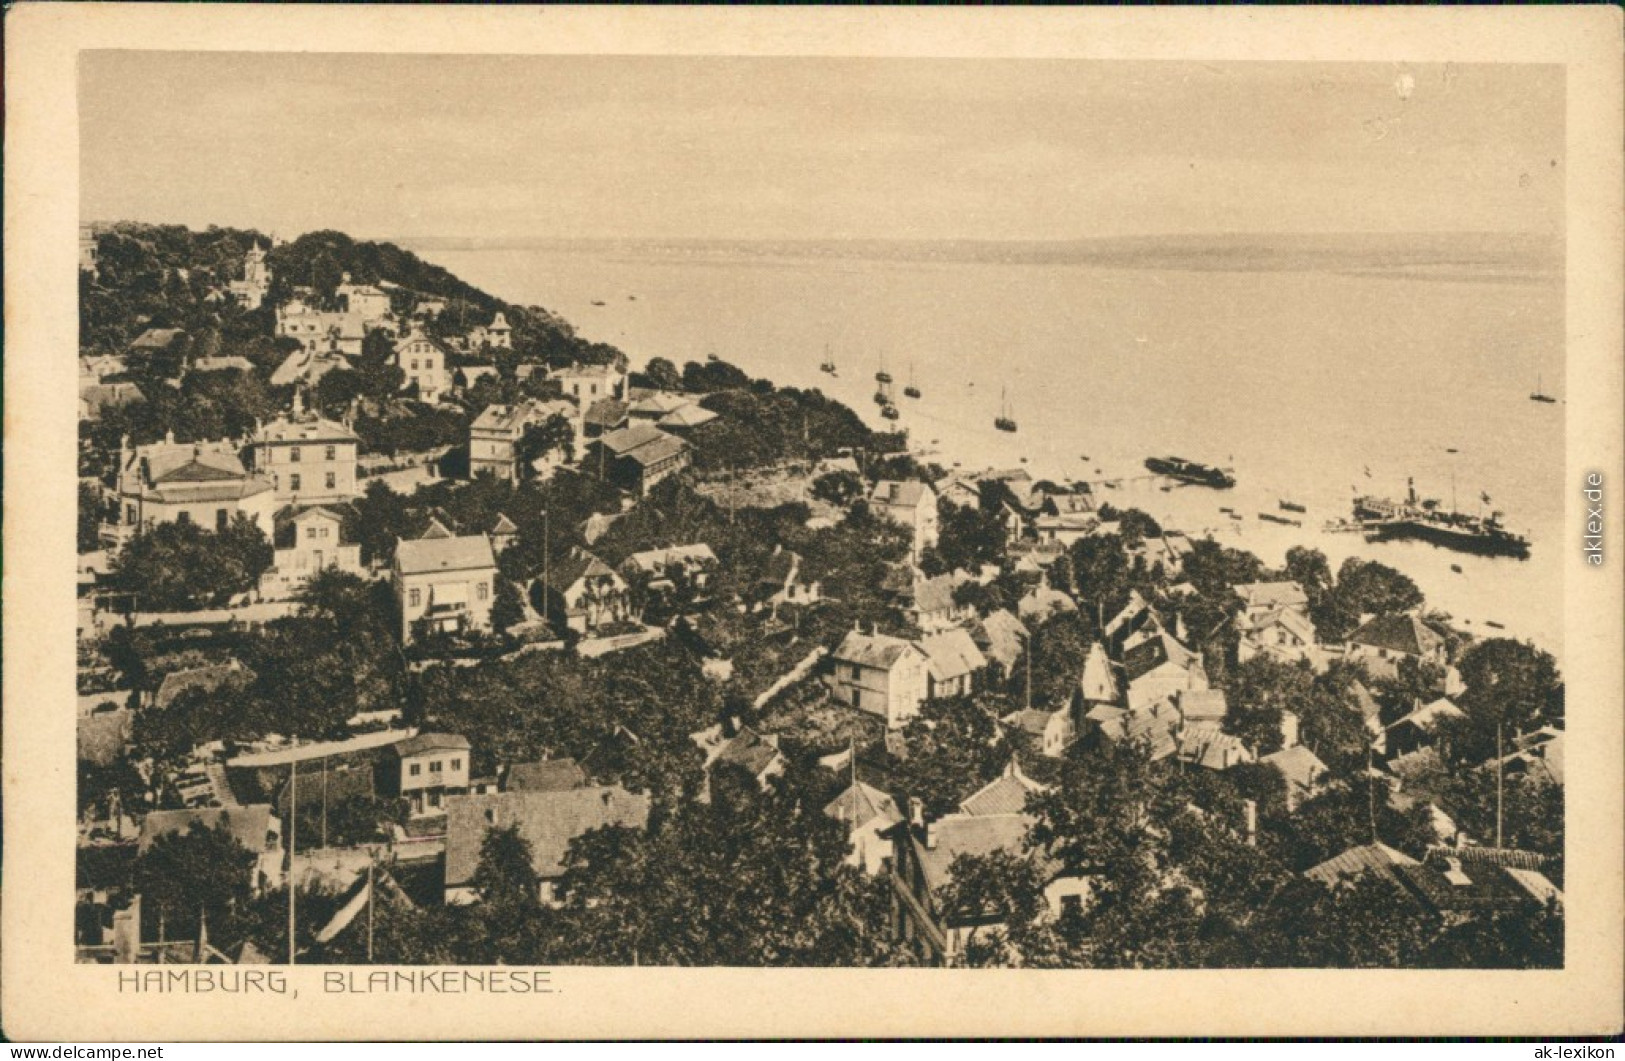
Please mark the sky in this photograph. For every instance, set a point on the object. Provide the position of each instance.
(732, 148)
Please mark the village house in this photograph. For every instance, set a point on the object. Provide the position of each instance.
(254, 827)
(1420, 728)
(929, 602)
(1206, 745)
(547, 821)
(675, 577)
(89, 251)
(424, 359)
(652, 406)
(308, 366)
(1134, 616)
(1166, 551)
(581, 593)
(316, 545)
(188, 482)
(322, 331)
(546, 775)
(1302, 769)
(1537, 755)
(1043, 602)
(1098, 682)
(729, 743)
(912, 504)
(251, 290)
(429, 767)
(1158, 667)
(1156, 725)
(952, 663)
(868, 815)
(1274, 621)
(444, 585)
(365, 301)
(637, 457)
(590, 383)
(604, 416)
(495, 435)
(1052, 730)
(309, 460)
(1381, 643)
(1065, 528)
(781, 582)
(498, 335)
(880, 674)
(685, 419)
(923, 853)
(1002, 639)
(97, 398)
(959, 491)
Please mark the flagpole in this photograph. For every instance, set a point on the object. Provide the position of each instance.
(293, 848)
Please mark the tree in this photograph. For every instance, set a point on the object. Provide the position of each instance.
(1000, 898)
(955, 746)
(1258, 691)
(91, 506)
(839, 488)
(506, 874)
(177, 566)
(1511, 685)
(553, 435)
(203, 872)
(1364, 587)
(663, 375)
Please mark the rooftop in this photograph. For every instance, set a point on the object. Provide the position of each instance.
(547, 820)
(1398, 633)
(427, 555)
(872, 650)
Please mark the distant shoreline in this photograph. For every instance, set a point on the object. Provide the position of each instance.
(1506, 256)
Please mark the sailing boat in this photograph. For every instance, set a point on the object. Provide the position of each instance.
(1540, 395)
(1003, 421)
(828, 364)
(882, 376)
(911, 391)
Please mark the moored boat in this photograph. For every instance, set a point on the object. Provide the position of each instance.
(1189, 471)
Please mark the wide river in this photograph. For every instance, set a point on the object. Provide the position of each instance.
(1313, 384)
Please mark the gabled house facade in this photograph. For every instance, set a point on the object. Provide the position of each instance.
(911, 504)
(883, 675)
(444, 585)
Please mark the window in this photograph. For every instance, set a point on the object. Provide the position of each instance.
(293, 454)
(293, 481)
(220, 518)
(434, 766)
(332, 452)
(456, 764)
(415, 597)
(482, 591)
(310, 533)
(129, 513)
(416, 769)
(414, 364)
(183, 517)
(332, 480)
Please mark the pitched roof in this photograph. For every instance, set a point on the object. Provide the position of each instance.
(1357, 862)
(575, 565)
(547, 820)
(1005, 794)
(250, 825)
(658, 403)
(1098, 684)
(548, 775)
(1044, 601)
(1031, 720)
(1000, 636)
(872, 650)
(1398, 633)
(1299, 765)
(431, 742)
(1364, 702)
(1205, 744)
(903, 494)
(750, 750)
(1131, 611)
(861, 804)
(426, 555)
(504, 525)
(1426, 716)
(157, 339)
(933, 595)
(1198, 705)
(687, 416)
(642, 442)
(1271, 594)
(103, 736)
(951, 654)
(190, 462)
(1160, 649)
(969, 834)
(605, 412)
(1153, 725)
(653, 560)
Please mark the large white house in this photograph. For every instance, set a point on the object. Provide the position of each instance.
(880, 674)
(444, 585)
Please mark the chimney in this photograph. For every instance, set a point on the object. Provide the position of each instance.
(730, 725)
(1250, 807)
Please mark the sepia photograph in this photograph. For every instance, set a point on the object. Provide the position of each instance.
(541, 512)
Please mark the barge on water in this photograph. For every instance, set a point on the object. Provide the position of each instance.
(1192, 472)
